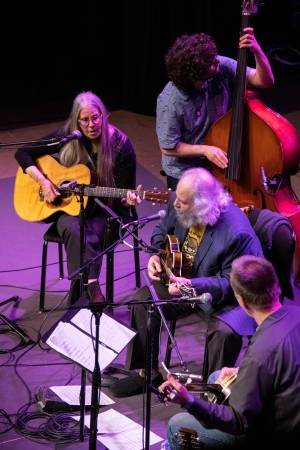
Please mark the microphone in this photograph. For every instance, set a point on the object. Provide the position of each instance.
(143, 220)
(76, 134)
(204, 298)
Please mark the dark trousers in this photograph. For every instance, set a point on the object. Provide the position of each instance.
(223, 345)
(69, 228)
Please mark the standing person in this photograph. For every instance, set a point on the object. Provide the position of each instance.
(199, 92)
(211, 231)
(264, 404)
(107, 152)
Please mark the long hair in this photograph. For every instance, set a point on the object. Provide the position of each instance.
(75, 152)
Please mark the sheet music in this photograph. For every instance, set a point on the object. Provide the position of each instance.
(71, 342)
(118, 432)
(112, 333)
(70, 395)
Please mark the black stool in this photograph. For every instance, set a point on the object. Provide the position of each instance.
(110, 237)
(51, 235)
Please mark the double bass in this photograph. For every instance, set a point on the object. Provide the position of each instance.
(263, 150)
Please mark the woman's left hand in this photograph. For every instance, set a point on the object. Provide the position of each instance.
(132, 199)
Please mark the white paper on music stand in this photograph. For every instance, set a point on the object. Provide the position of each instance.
(75, 344)
(70, 395)
(111, 332)
(118, 432)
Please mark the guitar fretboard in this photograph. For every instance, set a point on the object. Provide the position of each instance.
(99, 191)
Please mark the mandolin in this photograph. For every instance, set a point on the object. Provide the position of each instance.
(171, 261)
(30, 204)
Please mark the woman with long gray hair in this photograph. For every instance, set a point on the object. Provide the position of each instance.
(110, 156)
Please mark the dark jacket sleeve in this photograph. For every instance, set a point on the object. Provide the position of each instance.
(27, 155)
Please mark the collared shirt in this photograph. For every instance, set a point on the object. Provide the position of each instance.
(265, 398)
(186, 116)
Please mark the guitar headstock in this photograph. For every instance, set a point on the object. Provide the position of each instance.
(156, 196)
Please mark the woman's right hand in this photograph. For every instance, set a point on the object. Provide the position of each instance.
(154, 267)
(49, 191)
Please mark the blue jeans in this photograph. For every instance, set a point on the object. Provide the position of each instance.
(209, 438)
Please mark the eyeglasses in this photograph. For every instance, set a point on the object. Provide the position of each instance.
(96, 119)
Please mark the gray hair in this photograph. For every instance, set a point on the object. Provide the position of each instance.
(74, 152)
(210, 198)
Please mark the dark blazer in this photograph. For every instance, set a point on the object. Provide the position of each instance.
(232, 236)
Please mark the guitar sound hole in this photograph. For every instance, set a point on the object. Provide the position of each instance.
(65, 188)
(57, 201)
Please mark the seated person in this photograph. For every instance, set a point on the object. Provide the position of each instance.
(264, 404)
(212, 232)
(107, 152)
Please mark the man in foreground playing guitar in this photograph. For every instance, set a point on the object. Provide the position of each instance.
(264, 404)
(212, 232)
(108, 153)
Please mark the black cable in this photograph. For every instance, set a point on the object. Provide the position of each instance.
(59, 428)
(7, 421)
(21, 344)
(57, 262)
(28, 268)
(60, 291)
(18, 374)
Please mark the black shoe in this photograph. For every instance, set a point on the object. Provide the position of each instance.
(133, 385)
(95, 293)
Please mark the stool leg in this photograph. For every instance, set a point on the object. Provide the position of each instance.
(169, 343)
(60, 261)
(109, 277)
(136, 253)
(43, 276)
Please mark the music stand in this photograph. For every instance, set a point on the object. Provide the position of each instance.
(97, 310)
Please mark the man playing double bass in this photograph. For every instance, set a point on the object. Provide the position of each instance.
(212, 231)
(199, 92)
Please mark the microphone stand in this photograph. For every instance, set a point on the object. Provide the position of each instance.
(156, 301)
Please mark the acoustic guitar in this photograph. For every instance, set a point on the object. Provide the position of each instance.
(30, 204)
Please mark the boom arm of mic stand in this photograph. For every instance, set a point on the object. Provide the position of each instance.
(146, 248)
(47, 142)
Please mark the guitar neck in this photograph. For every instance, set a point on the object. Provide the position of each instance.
(99, 191)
